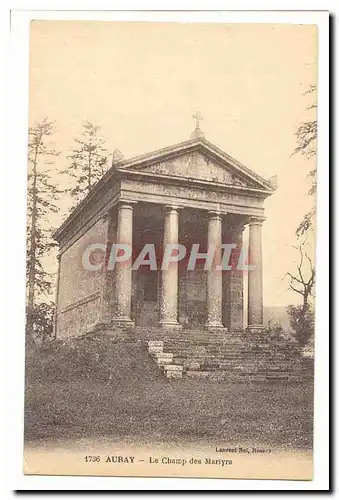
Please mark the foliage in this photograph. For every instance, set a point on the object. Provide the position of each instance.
(302, 322)
(42, 321)
(275, 331)
(307, 223)
(88, 161)
(306, 135)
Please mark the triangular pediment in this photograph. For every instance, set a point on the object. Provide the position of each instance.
(196, 165)
(198, 160)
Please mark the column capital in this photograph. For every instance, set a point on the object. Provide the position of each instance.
(214, 215)
(172, 208)
(236, 228)
(256, 220)
(128, 204)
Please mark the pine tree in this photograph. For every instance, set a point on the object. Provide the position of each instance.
(88, 161)
(42, 194)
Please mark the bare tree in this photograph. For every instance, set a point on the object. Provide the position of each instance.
(302, 282)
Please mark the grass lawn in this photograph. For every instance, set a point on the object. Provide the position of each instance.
(135, 400)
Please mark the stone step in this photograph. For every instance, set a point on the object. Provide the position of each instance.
(154, 350)
(191, 365)
(216, 364)
(164, 360)
(219, 344)
(231, 353)
(155, 343)
(245, 369)
(232, 345)
(219, 359)
(226, 358)
(221, 356)
(173, 371)
(220, 352)
(242, 376)
(163, 356)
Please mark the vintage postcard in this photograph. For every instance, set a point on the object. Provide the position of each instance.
(171, 208)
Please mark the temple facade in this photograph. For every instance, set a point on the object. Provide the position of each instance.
(191, 197)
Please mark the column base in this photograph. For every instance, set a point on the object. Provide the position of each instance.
(213, 324)
(122, 321)
(255, 328)
(101, 325)
(215, 327)
(170, 325)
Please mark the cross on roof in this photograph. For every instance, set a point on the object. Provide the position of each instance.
(197, 116)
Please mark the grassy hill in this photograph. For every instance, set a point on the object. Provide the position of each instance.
(86, 386)
(95, 388)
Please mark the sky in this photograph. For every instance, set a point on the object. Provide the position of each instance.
(142, 82)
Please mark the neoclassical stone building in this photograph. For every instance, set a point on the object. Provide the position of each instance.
(189, 193)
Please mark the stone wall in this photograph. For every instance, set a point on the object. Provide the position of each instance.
(145, 310)
(192, 298)
(78, 307)
(79, 318)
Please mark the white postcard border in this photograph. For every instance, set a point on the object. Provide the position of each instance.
(15, 189)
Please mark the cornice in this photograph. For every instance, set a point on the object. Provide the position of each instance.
(190, 181)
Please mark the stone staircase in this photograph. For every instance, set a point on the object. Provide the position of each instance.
(235, 356)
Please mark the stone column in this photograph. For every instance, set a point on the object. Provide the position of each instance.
(170, 276)
(107, 276)
(123, 270)
(214, 277)
(255, 288)
(233, 296)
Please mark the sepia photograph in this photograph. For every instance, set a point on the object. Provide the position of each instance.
(170, 249)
